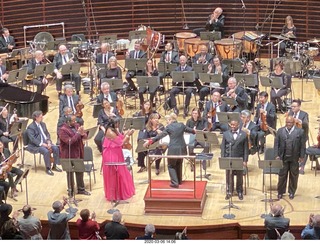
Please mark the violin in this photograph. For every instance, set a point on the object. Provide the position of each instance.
(79, 107)
(9, 162)
(211, 114)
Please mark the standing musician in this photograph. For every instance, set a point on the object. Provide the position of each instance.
(288, 30)
(216, 68)
(251, 129)
(177, 146)
(237, 93)
(277, 94)
(63, 57)
(150, 70)
(9, 171)
(105, 114)
(39, 142)
(3, 72)
(235, 144)
(137, 53)
(178, 87)
(6, 121)
(265, 117)
(68, 99)
(41, 82)
(290, 147)
(214, 106)
(250, 69)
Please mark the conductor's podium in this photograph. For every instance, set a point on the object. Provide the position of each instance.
(188, 199)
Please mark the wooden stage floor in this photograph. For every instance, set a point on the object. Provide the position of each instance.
(43, 190)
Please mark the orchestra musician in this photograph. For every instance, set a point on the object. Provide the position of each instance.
(236, 92)
(113, 70)
(290, 147)
(216, 68)
(203, 57)
(277, 94)
(10, 171)
(137, 53)
(235, 144)
(288, 30)
(3, 72)
(107, 94)
(250, 69)
(268, 112)
(251, 128)
(61, 58)
(105, 54)
(7, 43)
(150, 70)
(178, 87)
(68, 99)
(41, 82)
(214, 106)
(6, 121)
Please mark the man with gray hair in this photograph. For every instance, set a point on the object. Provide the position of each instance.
(275, 223)
(149, 230)
(312, 229)
(114, 230)
(251, 129)
(29, 225)
(238, 94)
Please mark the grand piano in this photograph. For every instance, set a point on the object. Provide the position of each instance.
(26, 102)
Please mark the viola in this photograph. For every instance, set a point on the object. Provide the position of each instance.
(120, 105)
(79, 108)
(263, 125)
(9, 161)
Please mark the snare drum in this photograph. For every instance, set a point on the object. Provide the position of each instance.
(181, 37)
(228, 48)
(192, 45)
(303, 47)
(313, 51)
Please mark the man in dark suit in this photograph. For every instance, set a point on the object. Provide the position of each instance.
(39, 142)
(7, 43)
(238, 94)
(203, 57)
(268, 110)
(63, 57)
(275, 223)
(137, 53)
(114, 230)
(216, 68)
(251, 129)
(3, 72)
(177, 146)
(41, 82)
(68, 99)
(178, 87)
(235, 144)
(290, 147)
(214, 106)
(106, 93)
(103, 58)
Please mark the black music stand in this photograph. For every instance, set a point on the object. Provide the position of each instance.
(316, 81)
(135, 64)
(265, 81)
(17, 75)
(24, 176)
(166, 69)
(149, 82)
(211, 36)
(230, 164)
(111, 38)
(230, 101)
(139, 34)
(70, 69)
(234, 65)
(115, 84)
(246, 79)
(214, 80)
(90, 133)
(227, 117)
(200, 68)
(267, 166)
(183, 77)
(276, 82)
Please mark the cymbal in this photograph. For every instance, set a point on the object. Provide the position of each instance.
(279, 37)
(314, 40)
(75, 42)
(291, 36)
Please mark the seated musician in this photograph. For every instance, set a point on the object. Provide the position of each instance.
(214, 106)
(39, 142)
(177, 87)
(3, 72)
(61, 58)
(216, 68)
(265, 115)
(288, 30)
(237, 93)
(68, 99)
(251, 128)
(113, 70)
(6, 121)
(105, 54)
(312, 151)
(107, 94)
(41, 82)
(250, 69)
(203, 57)
(7, 43)
(137, 53)
(277, 94)
(11, 171)
(150, 70)
(105, 114)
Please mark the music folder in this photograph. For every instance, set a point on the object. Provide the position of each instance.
(227, 117)
(265, 81)
(247, 79)
(276, 82)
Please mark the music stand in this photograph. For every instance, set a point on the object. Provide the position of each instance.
(200, 68)
(316, 82)
(108, 38)
(115, 84)
(135, 64)
(90, 133)
(230, 101)
(227, 117)
(265, 81)
(24, 176)
(150, 83)
(70, 69)
(211, 36)
(234, 65)
(268, 165)
(166, 67)
(139, 34)
(214, 80)
(13, 76)
(276, 82)
(230, 164)
(248, 80)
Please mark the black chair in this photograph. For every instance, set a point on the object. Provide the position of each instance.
(88, 163)
(25, 139)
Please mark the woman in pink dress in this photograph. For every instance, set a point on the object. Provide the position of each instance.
(118, 182)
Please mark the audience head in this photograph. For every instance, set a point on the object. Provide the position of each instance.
(316, 221)
(253, 237)
(277, 210)
(287, 236)
(85, 214)
(27, 210)
(149, 229)
(57, 206)
(117, 216)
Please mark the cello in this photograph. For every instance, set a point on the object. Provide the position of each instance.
(263, 125)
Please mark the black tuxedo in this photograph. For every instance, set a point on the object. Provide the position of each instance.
(304, 117)
(222, 107)
(5, 127)
(132, 73)
(216, 26)
(177, 146)
(208, 58)
(289, 148)
(99, 58)
(64, 102)
(113, 96)
(174, 57)
(32, 63)
(235, 148)
(241, 99)
(4, 44)
(272, 223)
(57, 60)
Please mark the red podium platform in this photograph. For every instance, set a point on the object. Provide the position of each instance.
(188, 199)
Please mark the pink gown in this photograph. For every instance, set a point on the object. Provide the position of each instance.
(118, 182)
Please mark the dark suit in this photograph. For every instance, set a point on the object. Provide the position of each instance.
(238, 148)
(2, 71)
(99, 58)
(272, 223)
(174, 57)
(289, 148)
(275, 97)
(304, 117)
(177, 146)
(178, 88)
(35, 141)
(4, 44)
(253, 128)
(32, 63)
(113, 96)
(220, 107)
(208, 58)
(57, 60)
(216, 26)
(132, 73)
(5, 127)
(115, 231)
(241, 99)
(64, 102)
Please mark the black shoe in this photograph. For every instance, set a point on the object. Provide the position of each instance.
(261, 150)
(185, 112)
(240, 196)
(49, 172)
(280, 196)
(174, 186)
(84, 192)
(228, 196)
(176, 110)
(55, 168)
(291, 196)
